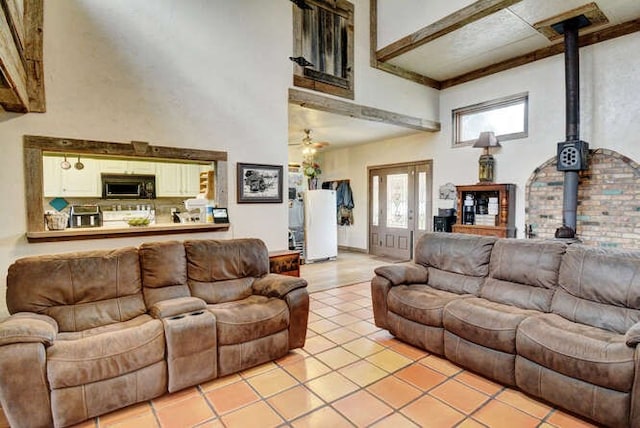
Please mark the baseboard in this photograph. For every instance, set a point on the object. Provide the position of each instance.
(353, 249)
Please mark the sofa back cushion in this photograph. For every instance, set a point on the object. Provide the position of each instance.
(456, 262)
(524, 273)
(79, 290)
(164, 271)
(221, 271)
(599, 287)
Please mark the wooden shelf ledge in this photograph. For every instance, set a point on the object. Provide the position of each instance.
(121, 232)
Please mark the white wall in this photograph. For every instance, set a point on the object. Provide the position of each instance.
(609, 102)
(204, 74)
(380, 89)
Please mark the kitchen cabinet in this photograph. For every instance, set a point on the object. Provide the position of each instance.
(486, 209)
(71, 182)
(178, 179)
(122, 166)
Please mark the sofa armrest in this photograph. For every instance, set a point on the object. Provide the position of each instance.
(27, 327)
(180, 305)
(632, 337)
(276, 285)
(404, 273)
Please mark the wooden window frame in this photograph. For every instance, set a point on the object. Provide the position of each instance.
(309, 78)
(495, 104)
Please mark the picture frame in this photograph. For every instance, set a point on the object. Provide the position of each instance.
(259, 183)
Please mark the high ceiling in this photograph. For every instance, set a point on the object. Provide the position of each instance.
(485, 37)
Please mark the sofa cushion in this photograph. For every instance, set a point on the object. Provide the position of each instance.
(485, 323)
(523, 273)
(590, 354)
(420, 303)
(453, 252)
(222, 291)
(248, 319)
(455, 282)
(212, 260)
(79, 290)
(599, 287)
(527, 261)
(164, 271)
(104, 352)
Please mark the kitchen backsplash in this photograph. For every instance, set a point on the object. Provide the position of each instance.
(162, 206)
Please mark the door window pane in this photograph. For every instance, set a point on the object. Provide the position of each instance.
(397, 193)
(422, 201)
(375, 200)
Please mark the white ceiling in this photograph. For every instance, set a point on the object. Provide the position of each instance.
(338, 130)
(503, 35)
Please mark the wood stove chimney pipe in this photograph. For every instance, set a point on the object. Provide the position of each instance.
(570, 29)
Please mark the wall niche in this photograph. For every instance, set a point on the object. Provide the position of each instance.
(608, 201)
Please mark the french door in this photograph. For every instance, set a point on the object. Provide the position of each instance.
(399, 208)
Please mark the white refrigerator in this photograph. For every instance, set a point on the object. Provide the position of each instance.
(320, 225)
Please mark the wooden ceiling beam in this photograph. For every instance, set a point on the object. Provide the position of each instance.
(358, 111)
(446, 25)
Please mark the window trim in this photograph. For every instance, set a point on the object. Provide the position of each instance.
(317, 80)
(457, 114)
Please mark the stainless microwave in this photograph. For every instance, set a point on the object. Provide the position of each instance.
(128, 186)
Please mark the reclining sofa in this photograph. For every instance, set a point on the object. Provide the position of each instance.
(559, 322)
(94, 331)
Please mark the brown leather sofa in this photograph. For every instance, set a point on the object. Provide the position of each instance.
(91, 332)
(558, 322)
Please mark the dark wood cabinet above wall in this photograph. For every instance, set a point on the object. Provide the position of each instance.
(21, 69)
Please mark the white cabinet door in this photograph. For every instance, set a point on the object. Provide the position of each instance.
(119, 166)
(141, 167)
(52, 176)
(191, 180)
(168, 180)
(113, 166)
(178, 179)
(70, 182)
(82, 182)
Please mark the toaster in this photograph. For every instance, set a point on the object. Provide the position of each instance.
(85, 216)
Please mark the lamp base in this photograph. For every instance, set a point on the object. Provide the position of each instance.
(486, 166)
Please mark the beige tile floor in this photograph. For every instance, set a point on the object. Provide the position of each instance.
(349, 373)
(348, 268)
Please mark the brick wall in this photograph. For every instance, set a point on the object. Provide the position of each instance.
(608, 201)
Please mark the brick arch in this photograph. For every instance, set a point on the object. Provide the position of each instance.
(608, 200)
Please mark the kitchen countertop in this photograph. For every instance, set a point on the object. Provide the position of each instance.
(71, 234)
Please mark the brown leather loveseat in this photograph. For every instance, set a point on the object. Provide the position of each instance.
(94, 331)
(558, 322)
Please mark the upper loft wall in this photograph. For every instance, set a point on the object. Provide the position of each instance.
(375, 88)
(397, 21)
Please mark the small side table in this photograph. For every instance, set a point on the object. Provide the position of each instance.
(285, 262)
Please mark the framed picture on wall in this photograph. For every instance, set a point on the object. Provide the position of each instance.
(259, 183)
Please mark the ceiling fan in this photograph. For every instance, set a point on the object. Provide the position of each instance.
(308, 145)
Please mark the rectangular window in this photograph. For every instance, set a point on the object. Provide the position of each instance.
(506, 117)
